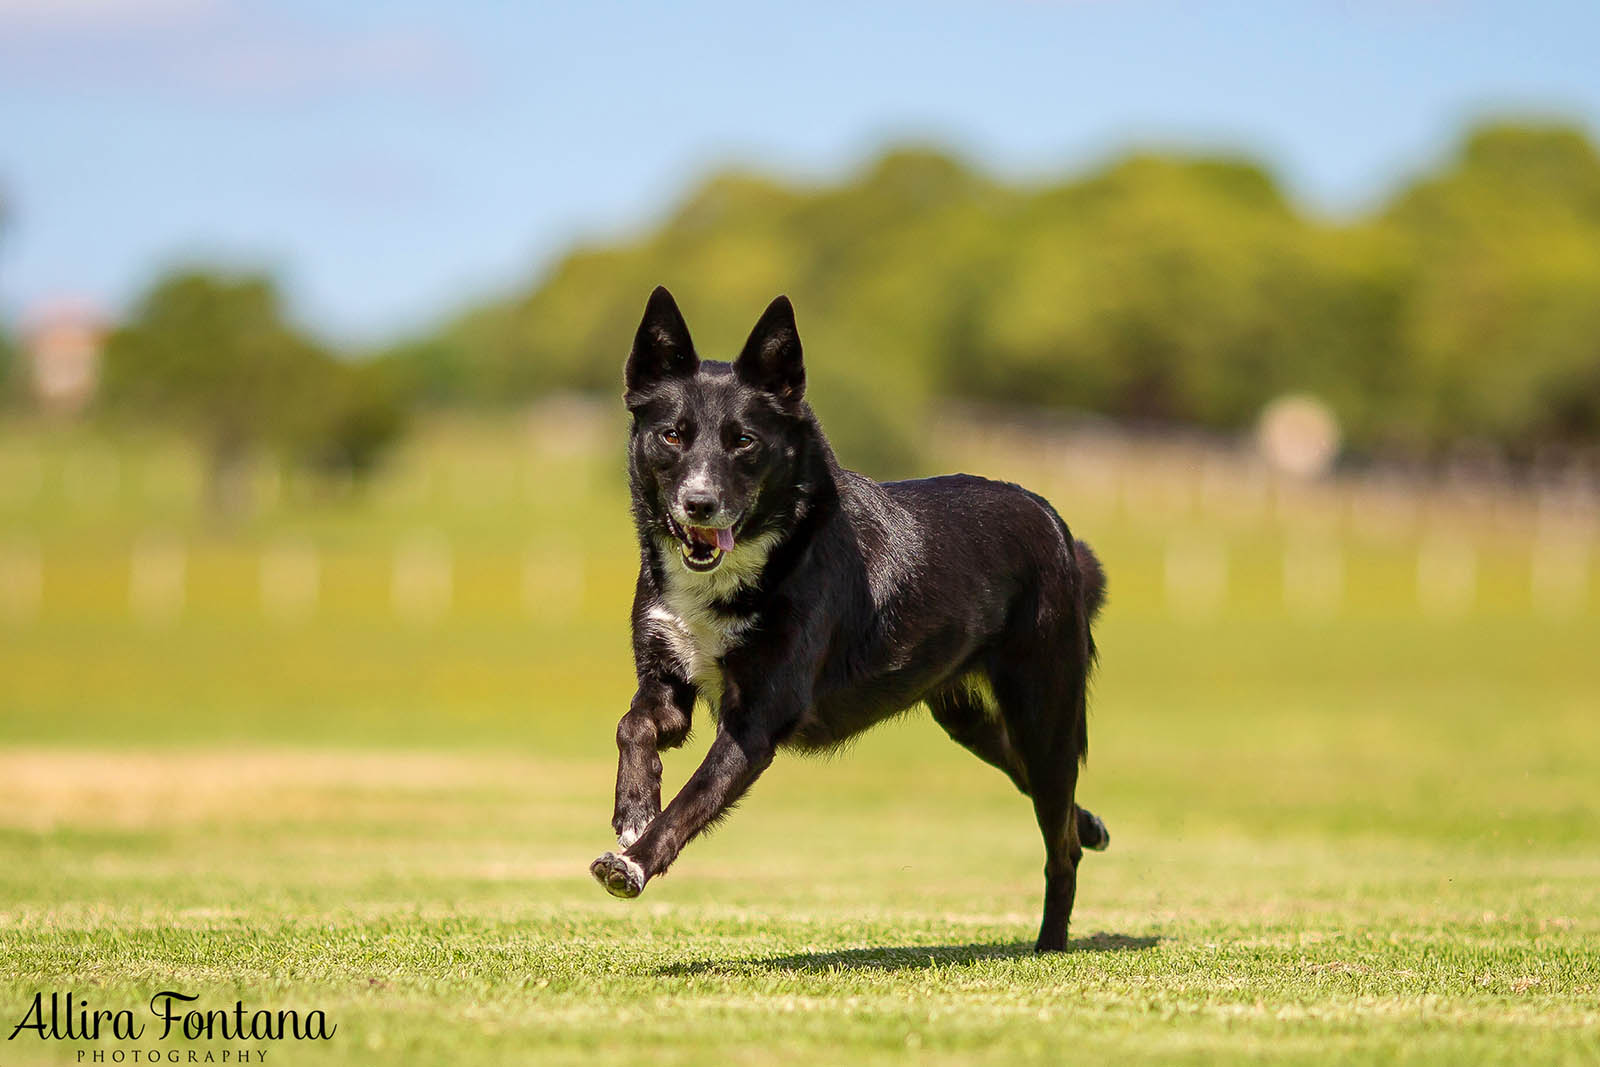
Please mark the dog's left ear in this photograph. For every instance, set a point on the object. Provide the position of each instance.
(771, 360)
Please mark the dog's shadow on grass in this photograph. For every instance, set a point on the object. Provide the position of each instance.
(904, 957)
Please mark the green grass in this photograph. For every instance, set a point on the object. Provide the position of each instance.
(1369, 837)
(436, 906)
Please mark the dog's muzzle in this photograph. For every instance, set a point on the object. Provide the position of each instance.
(703, 546)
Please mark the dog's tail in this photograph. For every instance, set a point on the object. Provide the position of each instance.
(1092, 832)
(1093, 576)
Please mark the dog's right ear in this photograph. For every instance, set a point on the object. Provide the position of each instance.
(661, 347)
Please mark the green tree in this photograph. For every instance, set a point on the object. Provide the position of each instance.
(216, 355)
(1503, 319)
(1162, 287)
(355, 414)
(10, 371)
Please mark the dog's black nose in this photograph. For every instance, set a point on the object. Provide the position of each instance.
(699, 506)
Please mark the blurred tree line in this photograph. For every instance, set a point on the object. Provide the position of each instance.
(10, 371)
(1162, 288)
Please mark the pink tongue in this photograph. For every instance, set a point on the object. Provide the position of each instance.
(725, 539)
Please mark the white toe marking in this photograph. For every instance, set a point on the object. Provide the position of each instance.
(635, 872)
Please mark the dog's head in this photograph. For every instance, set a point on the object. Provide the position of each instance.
(709, 438)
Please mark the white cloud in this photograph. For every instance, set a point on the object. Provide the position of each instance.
(204, 47)
(69, 14)
(290, 62)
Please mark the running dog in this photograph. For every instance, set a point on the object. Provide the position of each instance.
(805, 603)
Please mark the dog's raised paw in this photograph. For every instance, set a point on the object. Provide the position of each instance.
(621, 876)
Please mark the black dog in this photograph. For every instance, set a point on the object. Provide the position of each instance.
(806, 602)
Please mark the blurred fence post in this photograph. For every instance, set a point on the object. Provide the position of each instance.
(552, 582)
(1196, 576)
(1313, 576)
(1558, 573)
(157, 575)
(422, 582)
(21, 582)
(291, 581)
(1565, 526)
(21, 475)
(92, 478)
(1447, 575)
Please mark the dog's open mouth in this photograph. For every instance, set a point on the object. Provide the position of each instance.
(703, 546)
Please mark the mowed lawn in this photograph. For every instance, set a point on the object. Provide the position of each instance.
(1365, 836)
(1405, 877)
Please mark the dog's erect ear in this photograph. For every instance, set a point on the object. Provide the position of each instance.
(771, 357)
(661, 348)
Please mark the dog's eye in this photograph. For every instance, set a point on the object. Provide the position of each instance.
(744, 440)
(672, 437)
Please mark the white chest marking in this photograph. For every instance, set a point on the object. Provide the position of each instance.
(699, 635)
(698, 639)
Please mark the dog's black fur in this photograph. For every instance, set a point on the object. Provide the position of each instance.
(806, 603)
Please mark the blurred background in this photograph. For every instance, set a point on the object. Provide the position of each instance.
(312, 320)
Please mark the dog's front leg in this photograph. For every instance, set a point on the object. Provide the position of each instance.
(737, 757)
(766, 688)
(657, 718)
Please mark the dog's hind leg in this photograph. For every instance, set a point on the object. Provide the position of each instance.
(1057, 818)
(1041, 699)
(972, 719)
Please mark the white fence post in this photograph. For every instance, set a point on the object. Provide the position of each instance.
(1313, 576)
(1558, 577)
(552, 582)
(157, 576)
(291, 580)
(422, 582)
(1447, 576)
(1196, 576)
(21, 583)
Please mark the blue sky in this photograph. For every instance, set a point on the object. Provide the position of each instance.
(394, 160)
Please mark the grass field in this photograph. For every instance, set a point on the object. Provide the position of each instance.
(1362, 833)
